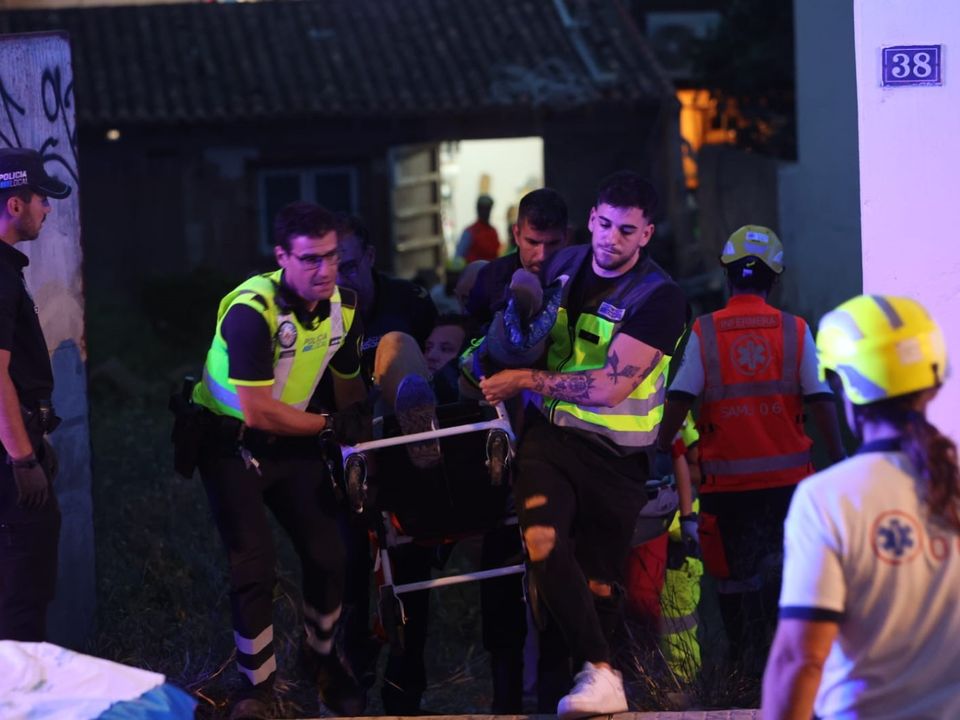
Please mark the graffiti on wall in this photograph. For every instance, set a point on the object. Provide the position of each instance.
(59, 134)
(37, 111)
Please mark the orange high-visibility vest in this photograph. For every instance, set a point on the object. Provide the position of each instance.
(751, 416)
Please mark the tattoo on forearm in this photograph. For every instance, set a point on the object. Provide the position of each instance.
(654, 361)
(616, 372)
(581, 387)
(570, 387)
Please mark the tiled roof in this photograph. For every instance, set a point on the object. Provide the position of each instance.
(188, 63)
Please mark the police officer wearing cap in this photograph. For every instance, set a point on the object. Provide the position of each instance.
(754, 368)
(29, 514)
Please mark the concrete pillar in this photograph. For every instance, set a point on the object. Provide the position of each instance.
(909, 160)
(819, 195)
(37, 111)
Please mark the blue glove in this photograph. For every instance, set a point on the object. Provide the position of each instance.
(690, 534)
(662, 465)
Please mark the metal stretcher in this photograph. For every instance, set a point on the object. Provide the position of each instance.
(458, 499)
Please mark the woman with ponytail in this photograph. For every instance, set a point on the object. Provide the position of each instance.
(870, 604)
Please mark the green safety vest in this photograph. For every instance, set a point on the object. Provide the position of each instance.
(300, 354)
(633, 423)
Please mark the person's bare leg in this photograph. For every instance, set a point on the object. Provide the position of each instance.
(398, 356)
(401, 372)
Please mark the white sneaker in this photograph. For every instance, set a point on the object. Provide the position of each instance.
(597, 691)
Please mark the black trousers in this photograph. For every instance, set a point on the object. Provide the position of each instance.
(28, 562)
(751, 528)
(293, 483)
(591, 500)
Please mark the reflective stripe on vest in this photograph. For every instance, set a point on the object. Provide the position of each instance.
(632, 423)
(771, 463)
(674, 625)
(301, 355)
(716, 390)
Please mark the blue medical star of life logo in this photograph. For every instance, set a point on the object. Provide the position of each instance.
(750, 354)
(896, 537)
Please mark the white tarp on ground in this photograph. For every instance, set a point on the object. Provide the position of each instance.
(40, 680)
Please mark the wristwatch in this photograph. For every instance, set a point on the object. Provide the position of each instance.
(27, 463)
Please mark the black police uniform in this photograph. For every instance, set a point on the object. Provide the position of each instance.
(399, 306)
(491, 289)
(28, 538)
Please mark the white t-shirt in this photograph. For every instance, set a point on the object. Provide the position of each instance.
(860, 550)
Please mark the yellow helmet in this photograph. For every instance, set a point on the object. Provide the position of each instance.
(754, 241)
(882, 347)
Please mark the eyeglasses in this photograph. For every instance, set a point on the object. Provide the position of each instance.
(313, 262)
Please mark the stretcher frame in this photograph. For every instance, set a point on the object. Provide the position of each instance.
(390, 604)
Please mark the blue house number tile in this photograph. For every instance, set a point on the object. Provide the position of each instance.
(912, 65)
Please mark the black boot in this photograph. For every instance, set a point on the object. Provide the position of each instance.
(253, 703)
(338, 688)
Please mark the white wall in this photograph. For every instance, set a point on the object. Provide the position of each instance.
(515, 165)
(909, 165)
(819, 195)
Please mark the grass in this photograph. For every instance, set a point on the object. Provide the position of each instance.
(162, 580)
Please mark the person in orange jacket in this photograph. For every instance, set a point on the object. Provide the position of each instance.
(754, 369)
(480, 241)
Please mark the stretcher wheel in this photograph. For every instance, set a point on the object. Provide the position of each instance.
(498, 455)
(332, 456)
(355, 474)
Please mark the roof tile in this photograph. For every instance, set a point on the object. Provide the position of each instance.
(335, 58)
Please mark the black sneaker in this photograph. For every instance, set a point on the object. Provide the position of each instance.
(416, 411)
(338, 689)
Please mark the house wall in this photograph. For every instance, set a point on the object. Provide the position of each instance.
(909, 153)
(581, 151)
(161, 201)
(819, 195)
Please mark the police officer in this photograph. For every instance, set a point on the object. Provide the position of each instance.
(754, 368)
(586, 453)
(539, 232)
(276, 335)
(29, 514)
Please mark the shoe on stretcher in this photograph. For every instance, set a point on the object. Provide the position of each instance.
(416, 411)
